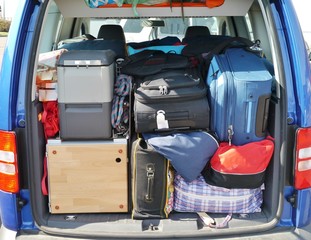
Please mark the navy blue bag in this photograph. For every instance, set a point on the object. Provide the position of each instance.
(169, 40)
(149, 62)
(239, 93)
(188, 152)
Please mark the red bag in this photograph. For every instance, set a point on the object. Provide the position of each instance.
(50, 121)
(49, 118)
(239, 166)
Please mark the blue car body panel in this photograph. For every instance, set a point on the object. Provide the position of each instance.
(302, 213)
(12, 89)
(27, 221)
(291, 98)
(14, 55)
(9, 213)
(299, 60)
(287, 213)
(297, 87)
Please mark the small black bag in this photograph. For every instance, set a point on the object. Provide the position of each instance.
(148, 62)
(202, 44)
(152, 182)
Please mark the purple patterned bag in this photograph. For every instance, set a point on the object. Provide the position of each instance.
(198, 196)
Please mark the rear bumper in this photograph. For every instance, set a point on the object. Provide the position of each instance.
(278, 233)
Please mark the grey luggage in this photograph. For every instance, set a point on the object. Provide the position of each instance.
(85, 93)
(172, 99)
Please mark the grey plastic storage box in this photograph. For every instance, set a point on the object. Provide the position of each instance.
(85, 93)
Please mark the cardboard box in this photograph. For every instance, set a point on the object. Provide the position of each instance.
(48, 93)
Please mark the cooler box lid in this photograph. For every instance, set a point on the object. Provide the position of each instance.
(87, 58)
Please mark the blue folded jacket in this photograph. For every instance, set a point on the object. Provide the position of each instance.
(188, 152)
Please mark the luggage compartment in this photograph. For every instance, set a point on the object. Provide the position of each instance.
(91, 183)
(120, 224)
(85, 93)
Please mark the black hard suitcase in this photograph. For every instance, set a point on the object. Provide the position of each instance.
(150, 182)
(172, 99)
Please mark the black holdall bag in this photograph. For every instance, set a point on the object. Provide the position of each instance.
(148, 62)
(175, 99)
(152, 182)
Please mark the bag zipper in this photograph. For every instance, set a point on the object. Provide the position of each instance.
(193, 82)
(223, 130)
(164, 201)
(134, 176)
(238, 174)
(229, 100)
(161, 98)
(213, 198)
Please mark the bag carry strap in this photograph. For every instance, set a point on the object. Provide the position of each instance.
(224, 44)
(210, 222)
(49, 118)
(120, 114)
(44, 187)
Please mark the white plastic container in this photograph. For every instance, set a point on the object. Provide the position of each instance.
(85, 93)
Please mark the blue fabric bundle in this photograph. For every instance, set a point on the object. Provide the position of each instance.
(188, 152)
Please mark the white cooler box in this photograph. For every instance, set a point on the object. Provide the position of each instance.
(85, 93)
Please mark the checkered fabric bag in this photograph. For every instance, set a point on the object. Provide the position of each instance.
(198, 196)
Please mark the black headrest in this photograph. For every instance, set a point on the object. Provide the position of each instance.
(111, 32)
(195, 31)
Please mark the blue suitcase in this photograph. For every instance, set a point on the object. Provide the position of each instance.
(239, 91)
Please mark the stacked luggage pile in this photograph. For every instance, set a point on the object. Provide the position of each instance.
(206, 114)
(85, 156)
(200, 116)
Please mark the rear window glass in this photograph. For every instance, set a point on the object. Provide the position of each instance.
(135, 30)
(133, 25)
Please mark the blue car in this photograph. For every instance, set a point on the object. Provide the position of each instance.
(66, 170)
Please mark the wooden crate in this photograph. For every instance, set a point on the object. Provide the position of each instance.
(87, 177)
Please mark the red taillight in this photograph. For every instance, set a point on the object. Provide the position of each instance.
(8, 162)
(303, 158)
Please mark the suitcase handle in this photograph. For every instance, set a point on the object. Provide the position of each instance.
(150, 180)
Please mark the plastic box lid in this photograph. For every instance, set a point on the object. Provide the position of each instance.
(87, 58)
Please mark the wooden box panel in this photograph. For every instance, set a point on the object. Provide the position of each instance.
(86, 177)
